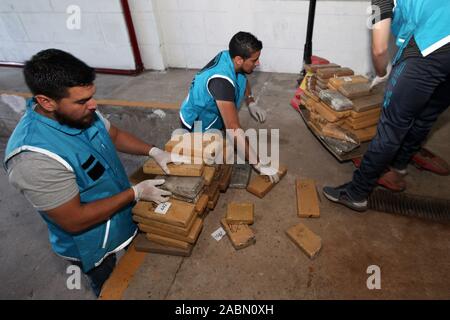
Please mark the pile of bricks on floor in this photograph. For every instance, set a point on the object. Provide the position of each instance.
(342, 106)
(307, 207)
(236, 224)
(240, 215)
(174, 227)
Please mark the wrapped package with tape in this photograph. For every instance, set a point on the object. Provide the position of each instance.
(355, 90)
(335, 100)
(338, 132)
(183, 188)
(339, 139)
(341, 147)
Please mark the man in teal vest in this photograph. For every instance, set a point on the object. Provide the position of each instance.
(218, 90)
(62, 156)
(417, 92)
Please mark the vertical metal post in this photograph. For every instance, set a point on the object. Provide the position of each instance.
(309, 32)
(307, 53)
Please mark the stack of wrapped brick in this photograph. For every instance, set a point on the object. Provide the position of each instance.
(174, 227)
(236, 224)
(342, 106)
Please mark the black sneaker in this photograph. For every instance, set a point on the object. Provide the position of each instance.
(341, 195)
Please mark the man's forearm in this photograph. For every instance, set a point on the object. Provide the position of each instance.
(248, 92)
(248, 89)
(380, 44)
(380, 63)
(74, 216)
(101, 210)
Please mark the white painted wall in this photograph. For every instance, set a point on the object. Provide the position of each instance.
(187, 33)
(148, 33)
(195, 30)
(27, 27)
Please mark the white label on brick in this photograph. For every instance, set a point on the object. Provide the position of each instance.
(218, 234)
(162, 208)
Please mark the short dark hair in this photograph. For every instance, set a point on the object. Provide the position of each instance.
(244, 44)
(51, 72)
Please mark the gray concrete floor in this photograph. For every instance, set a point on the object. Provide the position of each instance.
(413, 254)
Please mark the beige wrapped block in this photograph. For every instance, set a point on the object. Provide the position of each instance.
(165, 241)
(365, 114)
(261, 185)
(184, 170)
(184, 231)
(212, 190)
(192, 237)
(180, 213)
(205, 213)
(363, 135)
(225, 178)
(322, 84)
(369, 102)
(213, 202)
(315, 127)
(141, 243)
(355, 90)
(305, 239)
(331, 87)
(307, 199)
(314, 67)
(329, 114)
(362, 123)
(196, 145)
(310, 104)
(201, 204)
(334, 72)
(240, 213)
(240, 235)
(368, 117)
(183, 188)
(336, 100)
(339, 81)
(208, 174)
(218, 173)
(311, 95)
(338, 132)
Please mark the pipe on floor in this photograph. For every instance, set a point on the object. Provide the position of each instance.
(139, 65)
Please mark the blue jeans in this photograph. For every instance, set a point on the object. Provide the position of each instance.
(418, 91)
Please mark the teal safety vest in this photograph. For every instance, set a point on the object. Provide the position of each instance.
(90, 154)
(427, 20)
(200, 104)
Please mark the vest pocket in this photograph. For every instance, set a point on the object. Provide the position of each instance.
(96, 172)
(88, 162)
(92, 167)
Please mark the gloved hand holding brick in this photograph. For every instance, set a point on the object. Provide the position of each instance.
(267, 170)
(163, 158)
(147, 190)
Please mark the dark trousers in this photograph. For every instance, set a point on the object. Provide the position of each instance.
(418, 91)
(100, 274)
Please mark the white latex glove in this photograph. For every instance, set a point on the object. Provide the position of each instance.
(377, 80)
(257, 112)
(163, 158)
(267, 170)
(147, 190)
